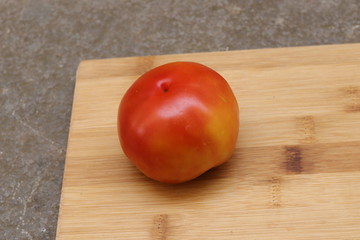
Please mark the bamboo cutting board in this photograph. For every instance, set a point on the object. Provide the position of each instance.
(295, 173)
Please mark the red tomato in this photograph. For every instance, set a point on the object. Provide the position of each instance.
(177, 121)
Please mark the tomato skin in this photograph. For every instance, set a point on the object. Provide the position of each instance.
(177, 121)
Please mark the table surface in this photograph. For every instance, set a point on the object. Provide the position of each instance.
(42, 43)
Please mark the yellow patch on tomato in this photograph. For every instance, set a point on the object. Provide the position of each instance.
(219, 129)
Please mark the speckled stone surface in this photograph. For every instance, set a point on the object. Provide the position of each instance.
(42, 43)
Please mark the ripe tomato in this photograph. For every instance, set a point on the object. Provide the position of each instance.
(177, 121)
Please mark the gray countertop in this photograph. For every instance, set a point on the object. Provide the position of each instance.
(42, 43)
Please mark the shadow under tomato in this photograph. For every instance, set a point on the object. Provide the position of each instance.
(207, 184)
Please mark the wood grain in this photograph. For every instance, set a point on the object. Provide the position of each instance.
(295, 173)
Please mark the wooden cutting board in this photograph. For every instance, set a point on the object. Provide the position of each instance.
(295, 173)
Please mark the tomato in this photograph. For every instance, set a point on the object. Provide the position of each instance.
(177, 121)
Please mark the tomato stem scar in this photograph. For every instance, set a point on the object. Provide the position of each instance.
(164, 86)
